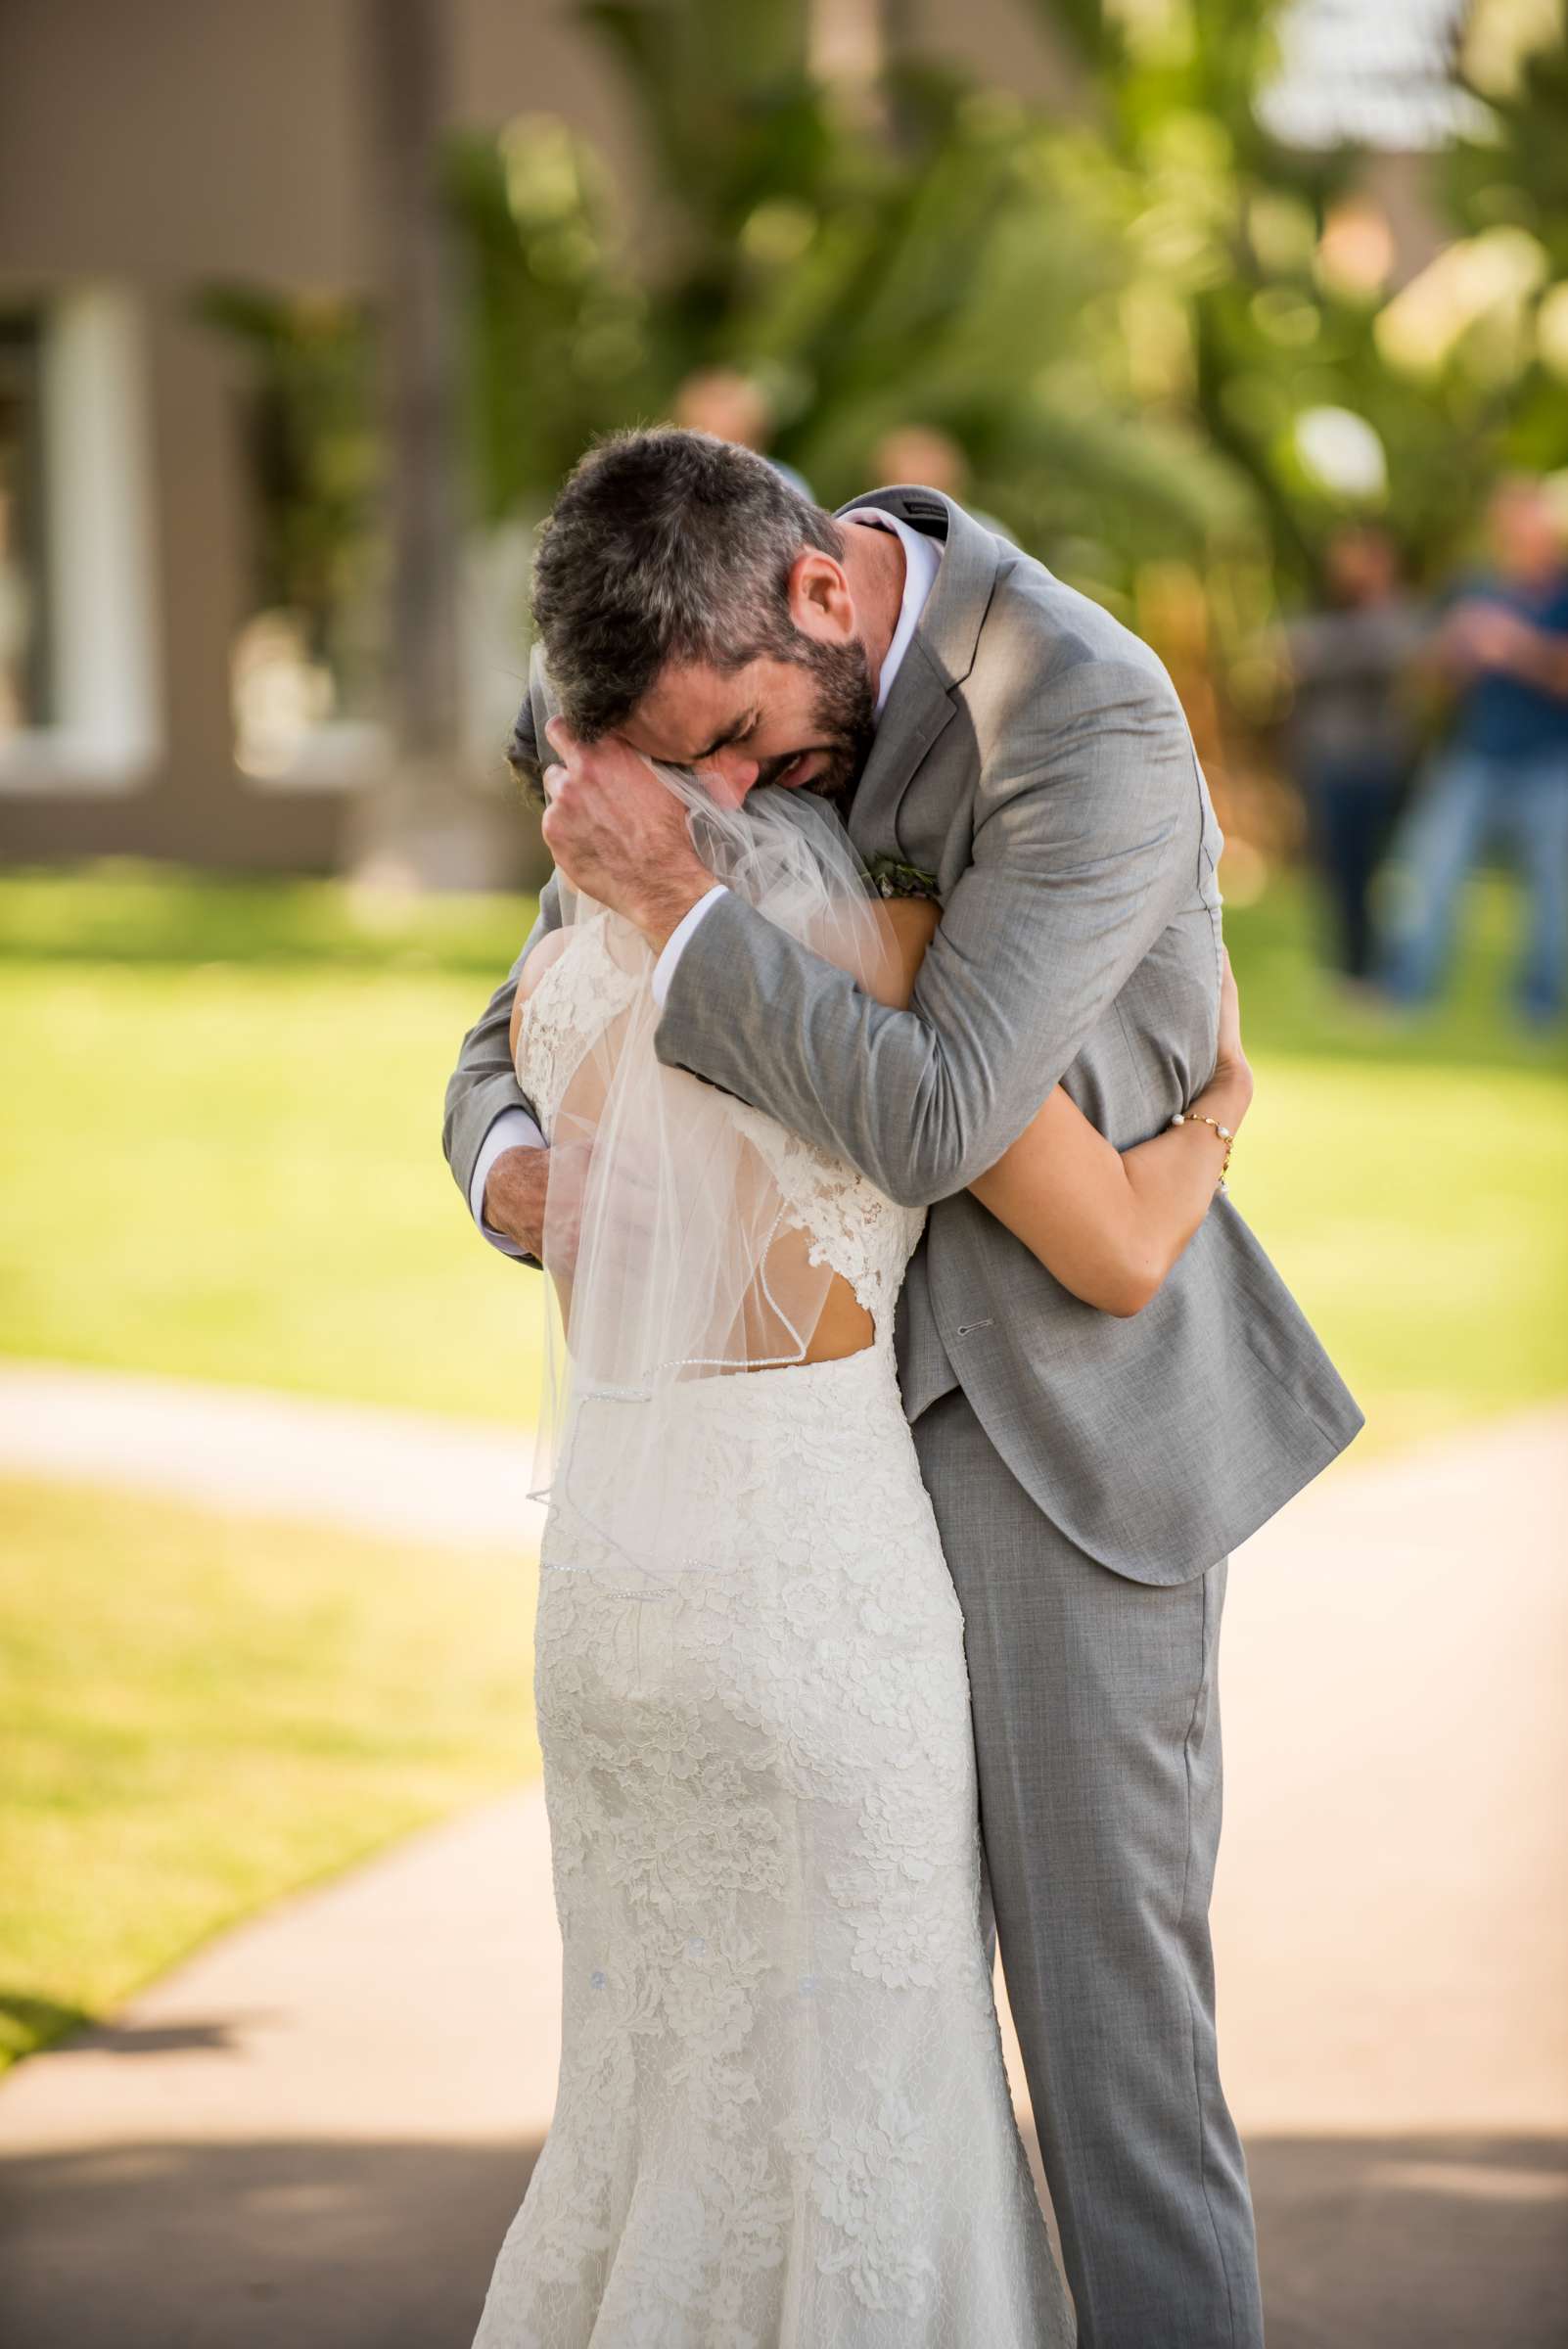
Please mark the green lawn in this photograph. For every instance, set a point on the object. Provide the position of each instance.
(1408, 1179)
(221, 1156)
(197, 1713)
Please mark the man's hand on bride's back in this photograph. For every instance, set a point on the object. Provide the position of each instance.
(618, 835)
(516, 1190)
(514, 1197)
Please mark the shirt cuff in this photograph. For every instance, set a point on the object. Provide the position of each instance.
(513, 1130)
(679, 938)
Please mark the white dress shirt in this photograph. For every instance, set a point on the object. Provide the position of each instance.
(514, 1129)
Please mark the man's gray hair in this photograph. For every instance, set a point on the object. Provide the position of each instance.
(667, 545)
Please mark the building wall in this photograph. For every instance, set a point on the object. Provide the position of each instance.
(152, 148)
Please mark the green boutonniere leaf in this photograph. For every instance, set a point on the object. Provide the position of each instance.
(890, 878)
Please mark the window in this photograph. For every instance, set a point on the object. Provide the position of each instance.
(79, 690)
(24, 665)
(306, 663)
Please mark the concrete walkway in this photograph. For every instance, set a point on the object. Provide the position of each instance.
(318, 2130)
(408, 1475)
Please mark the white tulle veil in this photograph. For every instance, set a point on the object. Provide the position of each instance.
(676, 1256)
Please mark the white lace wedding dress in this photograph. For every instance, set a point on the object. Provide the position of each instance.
(783, 2116)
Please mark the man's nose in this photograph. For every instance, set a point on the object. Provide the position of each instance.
(739, 771)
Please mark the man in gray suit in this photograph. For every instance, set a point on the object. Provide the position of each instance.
(999, 742)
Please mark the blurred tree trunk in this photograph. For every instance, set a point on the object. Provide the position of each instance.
(853, 45)
(421, 825)
(1404, 186)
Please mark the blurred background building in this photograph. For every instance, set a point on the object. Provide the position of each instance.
(191, 239)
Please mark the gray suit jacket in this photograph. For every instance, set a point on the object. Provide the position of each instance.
(1034, 758)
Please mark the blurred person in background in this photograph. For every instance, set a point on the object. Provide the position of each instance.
(732, 406)
(1350, 738)
(923, 452)
(1502, 649)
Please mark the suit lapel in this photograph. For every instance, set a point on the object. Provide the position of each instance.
(940, 655)
(918, 707)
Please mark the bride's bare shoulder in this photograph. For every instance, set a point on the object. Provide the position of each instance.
(550, 949)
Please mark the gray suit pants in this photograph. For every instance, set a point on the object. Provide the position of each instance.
(1098, 1734)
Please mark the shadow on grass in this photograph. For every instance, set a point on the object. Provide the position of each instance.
(1415, 2242)
(28, 2024)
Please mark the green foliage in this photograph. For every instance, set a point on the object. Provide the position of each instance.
(939, 255)
(1135, 315)
(1121, 316)
(307, 418)
(1519, 183)
(555, 323)
(1121, 311)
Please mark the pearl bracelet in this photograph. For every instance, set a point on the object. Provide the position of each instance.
(1191, 1117)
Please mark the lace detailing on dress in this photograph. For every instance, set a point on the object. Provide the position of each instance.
(586, 987)
(783, 2113)
(856, 1230)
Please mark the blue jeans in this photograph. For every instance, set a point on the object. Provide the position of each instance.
(1471, 802)
(1351, 813)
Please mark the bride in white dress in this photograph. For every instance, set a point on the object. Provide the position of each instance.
(783, 2116)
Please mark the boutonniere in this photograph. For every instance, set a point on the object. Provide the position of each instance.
(890, 878)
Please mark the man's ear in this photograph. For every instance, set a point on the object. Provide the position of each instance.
(819, 599)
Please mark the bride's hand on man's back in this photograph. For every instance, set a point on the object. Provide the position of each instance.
(1231, 1055)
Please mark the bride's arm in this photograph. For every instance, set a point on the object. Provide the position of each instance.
(1109, 1225)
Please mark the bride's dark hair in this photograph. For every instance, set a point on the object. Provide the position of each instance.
(522, 756)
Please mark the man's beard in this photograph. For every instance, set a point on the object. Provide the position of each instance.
(844, 718)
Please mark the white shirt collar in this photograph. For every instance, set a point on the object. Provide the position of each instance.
(922, 559)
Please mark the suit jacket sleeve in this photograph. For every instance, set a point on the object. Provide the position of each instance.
(483, 1085)
(483, 1082)
(1087, 838)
